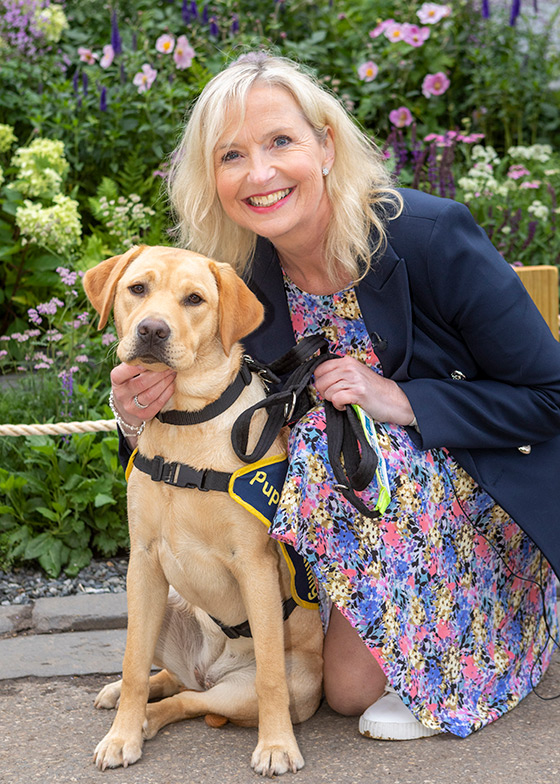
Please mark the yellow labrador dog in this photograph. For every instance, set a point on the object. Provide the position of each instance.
(177, 309)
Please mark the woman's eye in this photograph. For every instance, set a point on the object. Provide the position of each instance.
(230, 155)
(282, 141)
(137, 288)
(193, 299)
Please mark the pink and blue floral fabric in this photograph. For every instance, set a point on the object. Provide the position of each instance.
(444, 589)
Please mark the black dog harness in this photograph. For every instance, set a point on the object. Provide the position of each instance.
(352, 458)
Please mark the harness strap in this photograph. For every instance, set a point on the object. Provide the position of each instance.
(244, 629)
(182, 475)
(226, 399)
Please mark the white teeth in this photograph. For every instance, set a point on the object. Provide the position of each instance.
(269, 199)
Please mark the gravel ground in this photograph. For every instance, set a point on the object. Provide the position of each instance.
(24, 586)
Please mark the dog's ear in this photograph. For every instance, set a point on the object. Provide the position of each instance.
(101, 281)
(240, 312)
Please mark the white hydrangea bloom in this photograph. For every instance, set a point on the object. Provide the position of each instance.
(51, 22)
(7, 137)
(56, 227)
(42, 168)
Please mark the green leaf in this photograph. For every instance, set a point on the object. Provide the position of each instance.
(48, 513)
(102, 499)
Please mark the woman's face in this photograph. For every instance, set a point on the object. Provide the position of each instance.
(269, 170)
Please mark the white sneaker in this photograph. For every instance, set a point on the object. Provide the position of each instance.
(390, 719)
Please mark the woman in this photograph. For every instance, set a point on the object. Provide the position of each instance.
(444, 605)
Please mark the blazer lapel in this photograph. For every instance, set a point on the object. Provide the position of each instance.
(275, 336)
(384, 298)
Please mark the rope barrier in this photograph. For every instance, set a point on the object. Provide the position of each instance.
(59, 428)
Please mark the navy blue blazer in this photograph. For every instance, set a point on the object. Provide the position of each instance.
(453, 325)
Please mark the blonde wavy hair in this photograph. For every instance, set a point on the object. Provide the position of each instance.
(359, 186)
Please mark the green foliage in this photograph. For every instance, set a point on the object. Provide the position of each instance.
(63, 499)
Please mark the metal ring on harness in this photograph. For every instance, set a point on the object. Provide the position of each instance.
(289, 411)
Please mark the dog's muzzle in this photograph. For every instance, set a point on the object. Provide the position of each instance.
(152, 336)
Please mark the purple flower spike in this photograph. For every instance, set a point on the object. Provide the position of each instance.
(485, 9)
(116, 41)
(194, 10)
(515, 11)
(103, 100)
(186, 12)
(234, 24)
(204, 17)
(214, 29)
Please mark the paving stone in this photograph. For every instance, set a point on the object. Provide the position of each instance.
(81, 612)
(72, 653)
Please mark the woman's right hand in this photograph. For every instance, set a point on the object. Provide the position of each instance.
(151, 388)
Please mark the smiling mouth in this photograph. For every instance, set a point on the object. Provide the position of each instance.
(269, 199)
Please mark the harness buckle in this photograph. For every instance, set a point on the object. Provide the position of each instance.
(156, 471)
(170, 477)
(203, 481)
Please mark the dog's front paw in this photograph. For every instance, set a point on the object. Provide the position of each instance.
(275, 759)
(115, 750)
(109, 696)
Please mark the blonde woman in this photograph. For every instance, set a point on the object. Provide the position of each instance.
(438, 342)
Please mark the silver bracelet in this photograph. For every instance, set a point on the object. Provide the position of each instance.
(124, 426)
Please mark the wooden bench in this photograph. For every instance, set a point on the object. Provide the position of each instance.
(542, 284)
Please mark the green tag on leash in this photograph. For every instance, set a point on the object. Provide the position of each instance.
(383, 492)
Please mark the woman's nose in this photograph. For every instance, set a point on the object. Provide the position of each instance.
(260, 169)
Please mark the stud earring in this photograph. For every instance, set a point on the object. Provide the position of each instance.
(325, 171)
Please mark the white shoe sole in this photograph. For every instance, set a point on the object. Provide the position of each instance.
(395, 731)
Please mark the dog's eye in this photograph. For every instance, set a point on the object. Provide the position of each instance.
(138, 288)
(193, 299)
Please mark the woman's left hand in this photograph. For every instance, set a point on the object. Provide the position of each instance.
(347, 381)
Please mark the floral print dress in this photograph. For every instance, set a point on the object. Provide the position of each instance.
(444, 588)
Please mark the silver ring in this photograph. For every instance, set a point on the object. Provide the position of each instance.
(137, 402)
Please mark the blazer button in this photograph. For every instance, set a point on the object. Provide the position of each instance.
(525, 450)
(457, 375)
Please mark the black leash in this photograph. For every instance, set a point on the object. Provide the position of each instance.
(352, 458)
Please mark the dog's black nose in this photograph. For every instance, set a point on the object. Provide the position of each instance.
(153, 331)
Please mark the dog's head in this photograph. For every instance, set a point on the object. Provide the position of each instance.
(170, 305)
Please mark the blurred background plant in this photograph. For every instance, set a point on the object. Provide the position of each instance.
(463, 97)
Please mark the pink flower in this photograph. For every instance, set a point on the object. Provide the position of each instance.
(368, 71)
(401, 117)
(184, 53)
(516, 171)
(471, 138)
(165, 44)
(394, 32)
(108, 56)
(533, 184)
(145, 78)
(414, 35)
(87, 56)
(430, 13)
(381, 27)
(435, 84)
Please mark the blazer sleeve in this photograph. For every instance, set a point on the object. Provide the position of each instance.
(513, 396)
